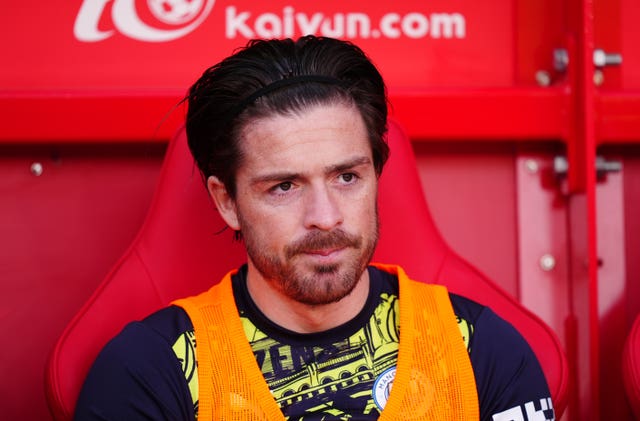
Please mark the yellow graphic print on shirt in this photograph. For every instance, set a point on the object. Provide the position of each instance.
(318, 379)
(185, 350)
(354, 374)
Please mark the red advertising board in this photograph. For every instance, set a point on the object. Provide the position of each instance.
(164, 44)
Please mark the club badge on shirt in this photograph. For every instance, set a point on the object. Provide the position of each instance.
(382, 387)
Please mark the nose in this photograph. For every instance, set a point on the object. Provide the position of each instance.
(322, 209)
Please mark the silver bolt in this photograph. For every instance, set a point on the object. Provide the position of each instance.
(560, 59)
(531, 165)
(560, 166)
(547, 262)
(37, 169)
(601, 58)
(543, 78)
(598, 77)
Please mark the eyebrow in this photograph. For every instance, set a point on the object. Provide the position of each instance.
(355, 162)
(280, 176)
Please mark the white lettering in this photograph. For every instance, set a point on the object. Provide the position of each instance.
(309, 27)
(358, 24)
(127, 21)
(337, 30)
(344, 25)
(513, 414)
(517, 414)
(237, 23)
(389, 25)
(289, 30)
(415, 25)
(533, 415)
(444, 24)
(268, 25)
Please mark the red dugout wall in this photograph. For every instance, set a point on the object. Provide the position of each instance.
(509, 114)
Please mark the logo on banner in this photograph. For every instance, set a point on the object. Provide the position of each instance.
(167, 20)
(159, 21)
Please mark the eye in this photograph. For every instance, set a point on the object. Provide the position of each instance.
(348, 178)
(282, 187)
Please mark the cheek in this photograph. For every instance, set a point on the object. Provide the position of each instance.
(268, 230)
(365, 208)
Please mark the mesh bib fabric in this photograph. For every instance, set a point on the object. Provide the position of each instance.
(434, 379)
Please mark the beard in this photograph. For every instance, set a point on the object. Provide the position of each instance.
(314, 284)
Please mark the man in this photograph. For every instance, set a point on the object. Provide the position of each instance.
(289, 138)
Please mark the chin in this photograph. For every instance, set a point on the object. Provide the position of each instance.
(325, 286)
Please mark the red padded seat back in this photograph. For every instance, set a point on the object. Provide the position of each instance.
(180, 250)
(631, 367)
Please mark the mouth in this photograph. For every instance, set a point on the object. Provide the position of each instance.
(323, 247)
(325, 254)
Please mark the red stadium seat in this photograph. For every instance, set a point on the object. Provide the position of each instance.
(180, 250)
(631, 367)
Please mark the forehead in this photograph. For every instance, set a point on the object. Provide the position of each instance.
(318, 135)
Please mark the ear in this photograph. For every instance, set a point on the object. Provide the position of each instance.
(226, 204)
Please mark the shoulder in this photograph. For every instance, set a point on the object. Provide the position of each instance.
(147, 342)
(138, 370)
(493, 338)
(491, 331)
(509, 378)
(169, 323)
(158, 331)
(465, 307)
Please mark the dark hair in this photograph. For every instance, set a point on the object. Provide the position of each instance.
(270, 77)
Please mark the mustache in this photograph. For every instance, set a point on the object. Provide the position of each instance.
(320, 240)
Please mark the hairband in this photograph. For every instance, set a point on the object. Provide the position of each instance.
(288, 81)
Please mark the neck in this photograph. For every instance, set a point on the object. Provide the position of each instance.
(304, 318)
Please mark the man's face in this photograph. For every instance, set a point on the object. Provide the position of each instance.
(306, 202)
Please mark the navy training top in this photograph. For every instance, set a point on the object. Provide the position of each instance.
(149, 371)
